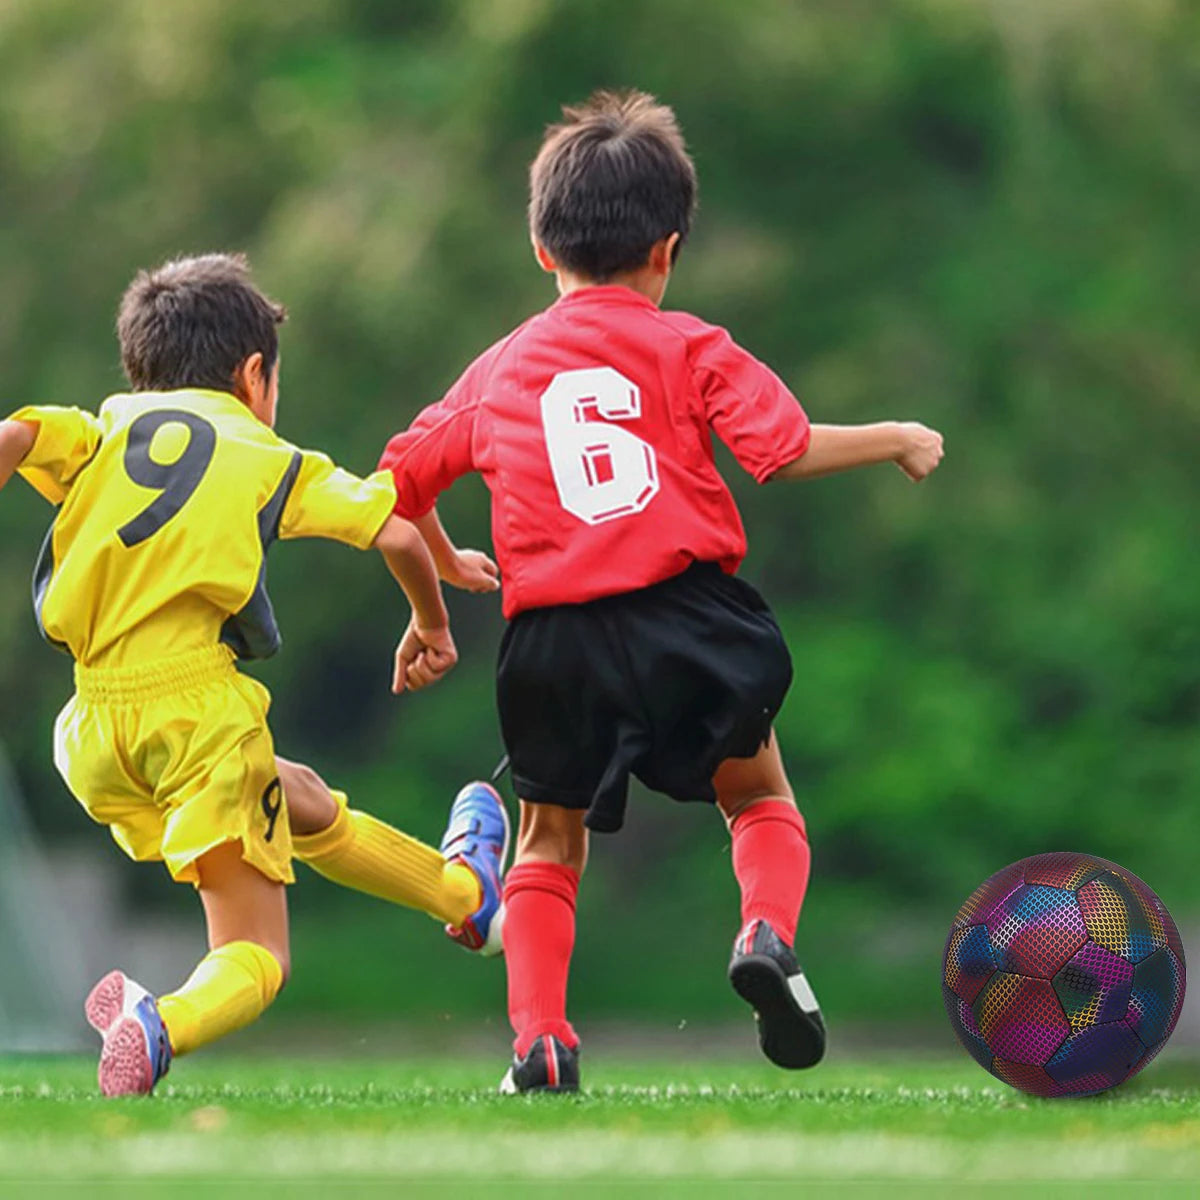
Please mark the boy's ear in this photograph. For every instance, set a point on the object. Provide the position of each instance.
(664, 253)
(543, 256)
(248, 378)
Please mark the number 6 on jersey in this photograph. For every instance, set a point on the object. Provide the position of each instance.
(602, 472)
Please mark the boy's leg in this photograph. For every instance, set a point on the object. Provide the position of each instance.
(357, 850)
(248, 960)
(539, 936)
(771, 862)
(770, 848)
(233, 984)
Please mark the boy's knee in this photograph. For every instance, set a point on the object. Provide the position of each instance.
(284, 959)
(554, 835)
(741, 783)
(310, 804)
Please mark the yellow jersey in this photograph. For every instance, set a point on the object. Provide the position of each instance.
(169, 502)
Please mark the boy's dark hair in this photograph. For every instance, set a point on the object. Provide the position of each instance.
(609, 181)
(193, 321)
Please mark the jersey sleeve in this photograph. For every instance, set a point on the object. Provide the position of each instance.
(67, 440)
(438, 447)
(751, 409)
(326, 501)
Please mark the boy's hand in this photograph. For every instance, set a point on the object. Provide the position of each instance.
(922, 450)
(472, 571)
(423, 657)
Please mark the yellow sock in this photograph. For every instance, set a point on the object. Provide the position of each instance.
(231, 986)
(361, 852)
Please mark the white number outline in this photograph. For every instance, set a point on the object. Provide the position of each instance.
(579, 448)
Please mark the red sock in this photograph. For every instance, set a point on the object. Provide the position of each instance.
(539, 935)
(771, 860)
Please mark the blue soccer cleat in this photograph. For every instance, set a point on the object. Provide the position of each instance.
(137, 1052)
(477, 836)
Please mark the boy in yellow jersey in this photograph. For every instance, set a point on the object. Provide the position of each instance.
(153, 578)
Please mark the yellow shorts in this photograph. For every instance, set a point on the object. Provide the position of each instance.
(176, 758)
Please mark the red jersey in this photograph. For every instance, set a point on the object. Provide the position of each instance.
(591, 425)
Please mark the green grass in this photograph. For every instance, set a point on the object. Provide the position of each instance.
(359, 1127)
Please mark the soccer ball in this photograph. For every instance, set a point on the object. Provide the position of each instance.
(1063, 975)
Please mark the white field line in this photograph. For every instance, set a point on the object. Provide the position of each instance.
(558, 1154)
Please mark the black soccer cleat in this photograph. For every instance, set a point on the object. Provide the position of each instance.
(548, 1066)
(764, 972)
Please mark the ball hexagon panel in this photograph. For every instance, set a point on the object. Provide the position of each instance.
(1020, 1018)
(1156, 998)
(969, 961)
(1027, 1078)
(962, 1018)
(1036, 930)
(1174, 942)
(1068, 871)
(1147, 930)
(1095, 1058)
(1148, 1057)
(1118, 918)
(1094, 987)
(980, 904)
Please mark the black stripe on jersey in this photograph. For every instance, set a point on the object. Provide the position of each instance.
(43, 572)
(253, 632)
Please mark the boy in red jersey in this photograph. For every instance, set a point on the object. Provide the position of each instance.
(632, 648)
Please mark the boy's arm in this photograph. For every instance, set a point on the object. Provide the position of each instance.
(49, 446)
(756, 415)
(470, 570)
(16, 440)
(426, 652)
(913, 447)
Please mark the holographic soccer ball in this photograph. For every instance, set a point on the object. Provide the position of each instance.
(1063, 975)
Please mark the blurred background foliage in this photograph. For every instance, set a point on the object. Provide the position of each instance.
(979, 213)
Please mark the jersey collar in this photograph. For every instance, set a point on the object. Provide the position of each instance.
(605, 293)
(225, 402)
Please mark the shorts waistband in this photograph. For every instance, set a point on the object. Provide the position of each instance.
(148, 681)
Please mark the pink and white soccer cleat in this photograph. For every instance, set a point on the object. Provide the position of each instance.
(137, 1052)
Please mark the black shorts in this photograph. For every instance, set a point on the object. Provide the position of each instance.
(664, 683)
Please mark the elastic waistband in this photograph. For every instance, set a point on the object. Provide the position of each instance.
(147, 681)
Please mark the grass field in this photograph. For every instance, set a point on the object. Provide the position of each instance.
(358, 1127)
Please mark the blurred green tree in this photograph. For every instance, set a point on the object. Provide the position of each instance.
(981, 215)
